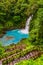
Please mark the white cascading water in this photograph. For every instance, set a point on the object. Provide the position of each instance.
(26, 30)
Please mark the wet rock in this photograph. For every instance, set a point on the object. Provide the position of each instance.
(9, 37)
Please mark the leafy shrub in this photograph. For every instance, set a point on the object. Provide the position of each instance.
(38, 61)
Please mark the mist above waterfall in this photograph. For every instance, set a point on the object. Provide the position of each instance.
(26, 30)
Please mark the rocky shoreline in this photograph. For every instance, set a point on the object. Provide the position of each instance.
(33, 54)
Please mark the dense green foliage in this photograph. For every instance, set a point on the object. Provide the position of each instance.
(36, 25)
(36, 28)
(38, 61)
(13, 13)
(1, 50)
(17, 51)
(18, 48)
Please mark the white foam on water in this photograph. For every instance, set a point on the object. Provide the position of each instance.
(26, 30)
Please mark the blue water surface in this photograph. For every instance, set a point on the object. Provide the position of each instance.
(17, 36)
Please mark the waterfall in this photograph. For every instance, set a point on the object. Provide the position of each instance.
(26, 30)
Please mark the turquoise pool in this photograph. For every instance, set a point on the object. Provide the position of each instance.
(15, 35)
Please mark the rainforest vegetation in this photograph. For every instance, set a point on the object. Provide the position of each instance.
(38, 61)
(13, 15)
